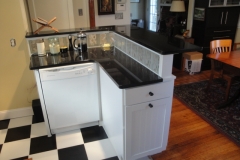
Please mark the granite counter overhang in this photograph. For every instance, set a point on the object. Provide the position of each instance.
(123, 70)
(159, 43)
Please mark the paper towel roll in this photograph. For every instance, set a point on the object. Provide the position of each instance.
(41, 48)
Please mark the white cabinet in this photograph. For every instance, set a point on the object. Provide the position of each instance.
(222, 3)
(147, 126)
(136, 120)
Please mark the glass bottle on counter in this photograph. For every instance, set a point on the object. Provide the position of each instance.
(54, 46)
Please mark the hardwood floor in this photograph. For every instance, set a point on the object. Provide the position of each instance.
(192, 138)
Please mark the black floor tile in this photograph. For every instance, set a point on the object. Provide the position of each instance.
(42, 144)
(18, 133)
(73, 153)
(112, 158)
(94, 133)
(4, 124)
(37, 119)
(21, 158)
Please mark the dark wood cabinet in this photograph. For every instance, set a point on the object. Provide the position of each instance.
(222, 17)
(219, 23)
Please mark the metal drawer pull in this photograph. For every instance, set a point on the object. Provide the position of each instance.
(151, 94)
(221, 37)
(150, 105)
(222, 31)
(222, 18)
(226, 18)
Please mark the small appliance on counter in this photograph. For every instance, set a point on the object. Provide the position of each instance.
(81, 42)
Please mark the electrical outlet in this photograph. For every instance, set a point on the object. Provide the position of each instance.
(80, 12)
(13, 42)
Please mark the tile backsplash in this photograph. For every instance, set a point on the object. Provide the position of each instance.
(143, 55)
(99, 39)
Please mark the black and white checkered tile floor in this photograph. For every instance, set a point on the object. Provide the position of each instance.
(24, 138)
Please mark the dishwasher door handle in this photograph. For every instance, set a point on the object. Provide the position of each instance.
(66, 69)
(60, 70)
(59, 73)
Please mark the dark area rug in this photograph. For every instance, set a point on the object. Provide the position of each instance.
(226, 120)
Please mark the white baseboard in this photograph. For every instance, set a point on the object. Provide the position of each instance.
(16, 113)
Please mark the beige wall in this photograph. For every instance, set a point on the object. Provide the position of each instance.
(104, 20)
(66, 12)
(17, 83)
(81, 21)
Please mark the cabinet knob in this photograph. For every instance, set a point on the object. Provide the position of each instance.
(150, 105)
(151, 94)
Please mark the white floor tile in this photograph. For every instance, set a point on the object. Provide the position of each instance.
(99, 149)
(15, 149)
(38, 129)
(49, 155)
(68, 139)
(3, 134)
(17, 122)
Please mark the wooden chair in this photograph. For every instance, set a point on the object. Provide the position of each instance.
(220, 49)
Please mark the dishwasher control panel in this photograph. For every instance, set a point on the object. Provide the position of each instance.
(66, 72)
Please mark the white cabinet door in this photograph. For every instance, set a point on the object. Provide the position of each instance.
(147, 127)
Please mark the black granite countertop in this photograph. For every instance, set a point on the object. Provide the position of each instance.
(152, 40)
(124, 71)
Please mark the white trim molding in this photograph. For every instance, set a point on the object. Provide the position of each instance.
(16, 113)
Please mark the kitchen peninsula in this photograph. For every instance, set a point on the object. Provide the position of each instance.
(134, 84)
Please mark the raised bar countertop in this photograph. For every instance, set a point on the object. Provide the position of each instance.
(125, 71)
(157, 42)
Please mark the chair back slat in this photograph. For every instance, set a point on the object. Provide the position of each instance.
(221, 48)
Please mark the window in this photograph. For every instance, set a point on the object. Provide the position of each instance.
(153, 15)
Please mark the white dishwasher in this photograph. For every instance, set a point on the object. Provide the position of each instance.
(70, 95)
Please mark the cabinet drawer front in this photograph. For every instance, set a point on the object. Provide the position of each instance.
(148, 93)
(220, 31)
(208, 39)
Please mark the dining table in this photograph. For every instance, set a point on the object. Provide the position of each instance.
(231, 59)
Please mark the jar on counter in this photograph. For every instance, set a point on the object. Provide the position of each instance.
(54, 45)
(63, 45)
